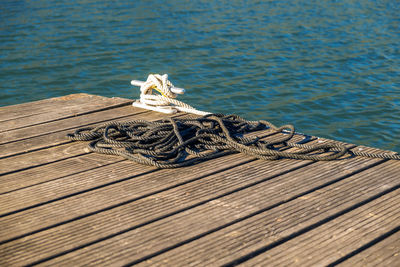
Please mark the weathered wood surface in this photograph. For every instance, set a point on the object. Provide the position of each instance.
(61, 205)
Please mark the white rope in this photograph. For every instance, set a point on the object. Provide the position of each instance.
(165, 102)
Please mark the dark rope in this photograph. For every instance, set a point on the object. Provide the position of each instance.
(176, 142)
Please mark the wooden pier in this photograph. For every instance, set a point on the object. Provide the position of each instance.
(61, 205)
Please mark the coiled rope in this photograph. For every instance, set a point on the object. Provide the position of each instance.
(178, 142)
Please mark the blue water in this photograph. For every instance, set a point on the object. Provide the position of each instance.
(332, 68)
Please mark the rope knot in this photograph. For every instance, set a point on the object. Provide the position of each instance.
(159, 83)
(165, 101)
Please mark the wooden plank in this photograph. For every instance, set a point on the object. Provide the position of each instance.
(274, 225)
(384, 253)
(206, 196)
(54, 133)
(36, 158)
(337, 237)
(74, 107)
(41, 106)
(70, 121)
(43, 173)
